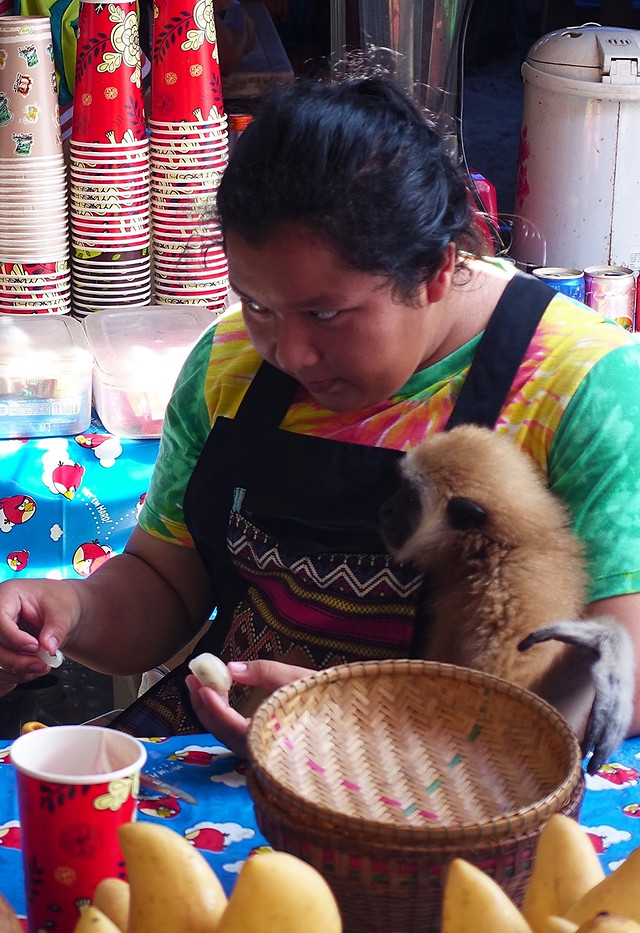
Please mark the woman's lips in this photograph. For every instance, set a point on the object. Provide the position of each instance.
(320, 386)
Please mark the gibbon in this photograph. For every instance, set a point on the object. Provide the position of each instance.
(506, 582)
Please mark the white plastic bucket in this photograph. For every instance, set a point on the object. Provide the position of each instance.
(578, 187)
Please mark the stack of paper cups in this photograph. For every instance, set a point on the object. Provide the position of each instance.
(34, 234)
(188, 154)
(109, 163)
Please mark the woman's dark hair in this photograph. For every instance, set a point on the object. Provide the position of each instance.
(358, 164)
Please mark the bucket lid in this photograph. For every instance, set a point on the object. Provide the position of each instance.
(590, 53)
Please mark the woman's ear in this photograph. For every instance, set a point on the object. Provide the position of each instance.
(439, 284)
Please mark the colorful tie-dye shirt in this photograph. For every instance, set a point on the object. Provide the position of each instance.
(574, 407)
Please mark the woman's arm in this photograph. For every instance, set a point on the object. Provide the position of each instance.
(156, 596)
(133, 613)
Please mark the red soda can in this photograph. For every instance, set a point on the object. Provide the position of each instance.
(611, 290)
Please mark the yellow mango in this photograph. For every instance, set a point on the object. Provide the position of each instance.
(615, 894)
(553, 924)
(609, 923)
(566, 866)
(173, 889)
(112, 896)
(276, 892)
(473, 901)
(9, 922)
(93, 920)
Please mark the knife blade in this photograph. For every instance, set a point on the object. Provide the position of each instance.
(154, 783)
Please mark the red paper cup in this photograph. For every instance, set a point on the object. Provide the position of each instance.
(76, 786)
(34, 268)
(185, 74)
(108, 99)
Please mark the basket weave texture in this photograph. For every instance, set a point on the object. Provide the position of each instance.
(379, 773)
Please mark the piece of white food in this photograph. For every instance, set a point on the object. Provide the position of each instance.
(53, 660)
(211, 671)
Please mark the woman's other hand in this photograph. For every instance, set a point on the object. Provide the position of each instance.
(213, 710)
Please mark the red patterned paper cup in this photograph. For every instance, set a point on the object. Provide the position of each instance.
(76, 786)
(34, 268)
(185, 74)
(108, 102)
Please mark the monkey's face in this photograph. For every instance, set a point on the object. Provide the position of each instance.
(419, 516)
(461, 491)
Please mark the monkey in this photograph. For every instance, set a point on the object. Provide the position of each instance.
(506, 580)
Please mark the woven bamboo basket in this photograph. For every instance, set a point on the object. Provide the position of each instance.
(379, 773)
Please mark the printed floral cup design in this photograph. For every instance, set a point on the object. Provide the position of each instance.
(185, 74)
(76, 786)
(29, 112)
(108, 96)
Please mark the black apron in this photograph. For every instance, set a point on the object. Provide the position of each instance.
(287, 525)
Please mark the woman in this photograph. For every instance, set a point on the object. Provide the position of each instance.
(350, 241)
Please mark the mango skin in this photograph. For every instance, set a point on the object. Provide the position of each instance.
(9, 922)
(172, 886)
(609, 923)
(113, 897)
(473, 901)
(92, 920)
(616, 894)
(276, 892)
(565, 868)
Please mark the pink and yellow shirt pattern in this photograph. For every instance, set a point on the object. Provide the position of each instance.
(573, 408)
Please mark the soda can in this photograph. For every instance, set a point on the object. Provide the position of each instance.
(568, 281)
(611, 291)
(237, 123)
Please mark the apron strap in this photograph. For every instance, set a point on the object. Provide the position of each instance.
(268, 397)
(500, 351)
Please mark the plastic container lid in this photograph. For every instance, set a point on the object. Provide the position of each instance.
(42, 346)
(138, 348)
(587, 53)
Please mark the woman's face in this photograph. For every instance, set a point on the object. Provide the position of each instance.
(339, 332)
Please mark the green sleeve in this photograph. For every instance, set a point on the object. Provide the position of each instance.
(594, 466)
(185, 430)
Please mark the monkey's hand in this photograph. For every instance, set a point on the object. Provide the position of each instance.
(608, 646)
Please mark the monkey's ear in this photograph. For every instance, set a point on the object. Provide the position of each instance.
(465, 515)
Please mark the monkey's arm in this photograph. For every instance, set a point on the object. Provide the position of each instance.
(626, 609)
(606, 646)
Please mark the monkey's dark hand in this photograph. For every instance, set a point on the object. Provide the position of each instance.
(612, 670)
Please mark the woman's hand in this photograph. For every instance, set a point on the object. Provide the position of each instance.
(212, 708)
(34, 614)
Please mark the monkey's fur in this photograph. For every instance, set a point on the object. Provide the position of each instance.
(506, 583)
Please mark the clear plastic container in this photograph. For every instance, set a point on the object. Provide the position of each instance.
(138, 353)
(45, 376)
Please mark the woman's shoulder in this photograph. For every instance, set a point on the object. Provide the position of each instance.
(571, 326)
(229, 364)
(226, 342)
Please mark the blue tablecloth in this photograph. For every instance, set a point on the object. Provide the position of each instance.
(222, 825)
(68, 503)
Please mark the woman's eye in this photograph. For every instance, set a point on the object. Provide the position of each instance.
(324, 315)
(252, 306)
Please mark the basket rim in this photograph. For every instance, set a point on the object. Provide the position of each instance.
(503, 826)
(389, 847)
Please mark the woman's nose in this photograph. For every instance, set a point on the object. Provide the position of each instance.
(294, 348)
